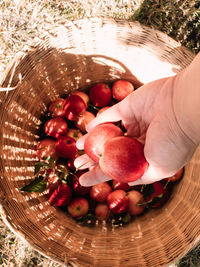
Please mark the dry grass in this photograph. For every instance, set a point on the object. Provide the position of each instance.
(21, 21)
(180, 19)
(16, 253)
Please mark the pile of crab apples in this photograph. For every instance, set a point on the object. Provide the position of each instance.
(105, 144)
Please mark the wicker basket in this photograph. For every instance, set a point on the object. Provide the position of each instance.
(71, 57)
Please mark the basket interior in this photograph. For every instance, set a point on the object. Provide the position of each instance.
(76, 57)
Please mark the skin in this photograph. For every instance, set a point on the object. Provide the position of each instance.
(164, 115)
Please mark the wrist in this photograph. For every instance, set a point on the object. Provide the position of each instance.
(186, 100)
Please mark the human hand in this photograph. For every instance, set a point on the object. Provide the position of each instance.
(149, 115)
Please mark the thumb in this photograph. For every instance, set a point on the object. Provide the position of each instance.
(110, 115)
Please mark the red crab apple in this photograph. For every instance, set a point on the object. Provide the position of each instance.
(96, 138)
(121, 89)
(102, 211)
(74, 133)
(78, 207)
(74, 106)
(123, 159)
(83, 120)
(46, 148)
(136, 200)
(66, 147)
(177, 176)
(118, 201)
(119, 185)
(61, 195)
(56, 127)
(100, 95)
(70, 164)
(77, 187)
(99, 192)
(56, 108)
(83, 95)
(159, 196)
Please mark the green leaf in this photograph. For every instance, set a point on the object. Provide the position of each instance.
(39, 165)
(37, 185)
(52, 162)
(126, 218)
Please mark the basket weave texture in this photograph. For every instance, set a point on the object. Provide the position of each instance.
(75, 57)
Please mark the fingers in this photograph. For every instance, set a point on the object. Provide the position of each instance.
(83, 162)
(110, 115)
(95, 176)
(166, 149)
(80, 142)
(123, 111)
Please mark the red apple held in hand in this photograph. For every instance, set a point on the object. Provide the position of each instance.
(176, 177)
(46, 148)
(96, 138)
(102, 211)
(74, 106)
(159, 196)
(77, 187)
(119, 185)
(83, 120)
(118, 201)
(78, 207)
(74, 133)
(100, 192)
(122, 89)
(123, 159)
(100, 95)
(61, 195)
(83, 95)
(66, 147)
(56, 108)
(136, 204)
(56, 127)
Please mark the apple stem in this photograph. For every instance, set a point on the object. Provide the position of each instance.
(92, 106)
(147, 202)
(143, 203)
(142, 188)
(166, 184)
(77, 169)
(46, 147)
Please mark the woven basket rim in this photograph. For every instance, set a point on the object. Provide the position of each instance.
(27, 48)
